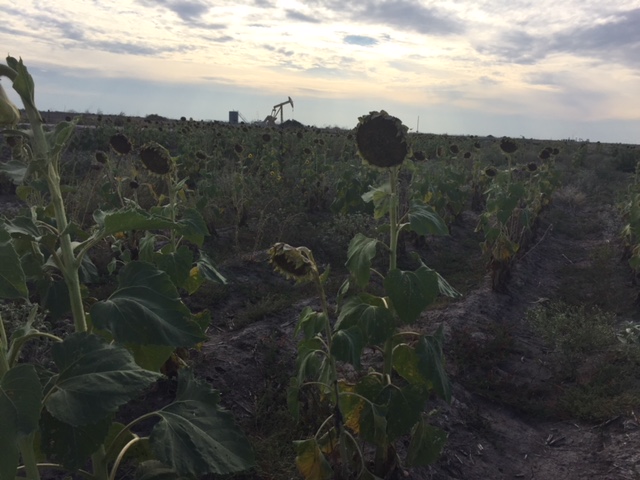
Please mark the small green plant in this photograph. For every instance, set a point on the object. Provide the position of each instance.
(381, 405)
(65, 410)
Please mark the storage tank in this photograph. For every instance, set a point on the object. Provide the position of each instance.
(233, 118)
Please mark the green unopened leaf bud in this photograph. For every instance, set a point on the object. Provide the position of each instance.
(9, 113)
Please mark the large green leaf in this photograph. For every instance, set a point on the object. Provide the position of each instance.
(209, 271)
(192, 226)
(132, 219)
(95, 379)
(197, 436)
(370, 314)
(20, 397)
(426, 444)
(424, 365)
(359, 255)
(381, 198)
(311, 462)
(404, 409)
(347, 345)
(71, 445)
(176, 264)
(431, 363)
(12, 279)
(411, 292)
(424, 221)
(310, 323)
(147, 310)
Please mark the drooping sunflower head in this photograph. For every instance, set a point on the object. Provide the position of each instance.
(508, 146)
(156, 158)
(120, 143)
(101, 157)
(381, 140)
(291, 262)
(490, 171)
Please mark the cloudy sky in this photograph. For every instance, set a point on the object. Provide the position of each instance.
(544, 68)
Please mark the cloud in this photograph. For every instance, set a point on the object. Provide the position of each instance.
(617, 39)
(295, 15)
(400, 14)
(360, 40)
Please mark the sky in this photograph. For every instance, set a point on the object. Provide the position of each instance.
(548, 69)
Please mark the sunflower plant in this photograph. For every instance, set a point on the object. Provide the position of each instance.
(514, 198)
(385, 402)
(62, 414)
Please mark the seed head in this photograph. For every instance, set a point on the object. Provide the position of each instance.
(381, 140)
(508, 146)
(101, 157)
(490, 171)
(120, 143)
(156, 158)
(292, 262)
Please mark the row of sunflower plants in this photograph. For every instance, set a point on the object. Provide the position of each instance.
(374, 399)
(630, 211)
(515, 197)
(61, 413)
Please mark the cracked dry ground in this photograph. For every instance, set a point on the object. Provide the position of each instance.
(505, 420)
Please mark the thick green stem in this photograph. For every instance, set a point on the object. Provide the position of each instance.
(29, 457)
(393, 253)
(99, 463)
(70, 267)
(334, 372)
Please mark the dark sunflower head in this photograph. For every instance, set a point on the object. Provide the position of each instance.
(381, 140)
(292, 262)
(120, 143)
(156, 158)
(490, 172)
(101, 157)
(544, 154)
(419, 156)
(508, 146)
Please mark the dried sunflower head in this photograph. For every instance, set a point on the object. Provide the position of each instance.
(292, 262)
(381, 140)
(156, 158)
(544, 154)
(508, 146)
(120, 143)
(490, 171)
(101, 157)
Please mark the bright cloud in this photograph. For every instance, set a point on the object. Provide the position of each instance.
(562, 68)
